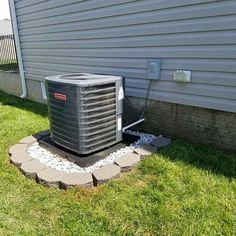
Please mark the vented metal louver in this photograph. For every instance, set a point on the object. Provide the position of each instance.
(85, 111)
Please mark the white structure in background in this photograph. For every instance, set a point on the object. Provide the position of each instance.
(5, 27)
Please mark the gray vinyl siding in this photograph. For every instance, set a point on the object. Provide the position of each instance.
(120, 36)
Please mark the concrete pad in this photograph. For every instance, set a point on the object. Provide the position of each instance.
(42, 134)
(160, 142)
(145, 150)
(127, 161)
(18, 159)
(31, 168)
(18, 149)
(50, 177)
(28, 140)
(106, 173)
(88, 160)
(76, 179)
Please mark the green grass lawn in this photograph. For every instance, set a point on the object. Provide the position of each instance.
(184, 189)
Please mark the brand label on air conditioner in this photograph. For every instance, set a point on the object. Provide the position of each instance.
(59, 96)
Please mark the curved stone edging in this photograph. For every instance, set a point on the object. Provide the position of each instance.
(53, 178)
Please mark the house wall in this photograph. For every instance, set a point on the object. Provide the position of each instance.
(120, 36)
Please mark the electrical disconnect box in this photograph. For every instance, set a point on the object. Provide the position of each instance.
(182, 76)
(154, 69)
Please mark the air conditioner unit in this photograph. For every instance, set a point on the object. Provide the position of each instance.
(85, 110)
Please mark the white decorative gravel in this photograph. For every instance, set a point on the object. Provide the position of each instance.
(57, 162)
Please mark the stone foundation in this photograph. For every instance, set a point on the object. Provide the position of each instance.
(10, 83)
(199, 125)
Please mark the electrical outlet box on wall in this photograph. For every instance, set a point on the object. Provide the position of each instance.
(182, 76)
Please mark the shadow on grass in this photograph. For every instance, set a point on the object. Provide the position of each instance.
(203, 157)
(37, 108)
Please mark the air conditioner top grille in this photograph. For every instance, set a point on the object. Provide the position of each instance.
(83, 79)
(79, 76)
